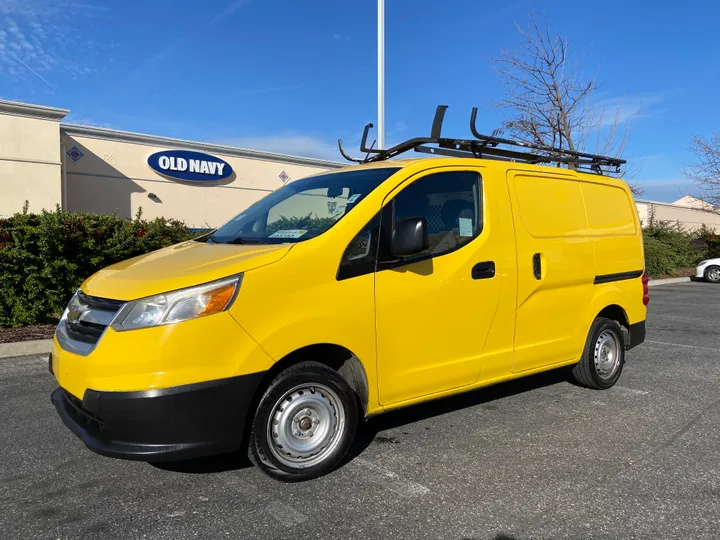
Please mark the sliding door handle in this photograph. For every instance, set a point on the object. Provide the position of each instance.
(483, 270)
(537, 268)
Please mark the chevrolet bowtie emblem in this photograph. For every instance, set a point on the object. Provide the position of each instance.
(74, 314)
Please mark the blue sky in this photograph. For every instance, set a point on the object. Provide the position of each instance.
(294, 75)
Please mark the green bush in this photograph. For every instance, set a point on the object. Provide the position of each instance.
(669, 248)
(713, 246)
(45, 257)
(299, 222)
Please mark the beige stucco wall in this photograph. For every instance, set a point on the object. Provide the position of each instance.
(690, 218)
(113, 176)
(30, 167)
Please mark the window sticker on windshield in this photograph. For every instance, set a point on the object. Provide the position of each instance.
(288, 233)
(354, 198)
(338, 211)
(466, 226)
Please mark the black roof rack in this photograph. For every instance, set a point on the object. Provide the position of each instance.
(485, 146)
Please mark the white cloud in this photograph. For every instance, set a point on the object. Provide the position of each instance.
(626, 108)
(197, 31)
(341, 37)
(267, 89)
(395, 133)
(231, 8)
(291, 144)
(39, 36)
(73, 118)
(314, 146)
(668, 182)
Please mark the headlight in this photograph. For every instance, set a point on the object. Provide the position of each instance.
(177, 306)
(702, 263)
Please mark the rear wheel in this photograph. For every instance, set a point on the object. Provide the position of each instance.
(304, 424)
(712, 274)
(603, 357)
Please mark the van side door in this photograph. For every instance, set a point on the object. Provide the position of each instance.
(556, 268)
(447, 313)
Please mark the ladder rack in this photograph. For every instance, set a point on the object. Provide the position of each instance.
(485, 147)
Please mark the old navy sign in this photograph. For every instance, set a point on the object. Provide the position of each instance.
(189, 166)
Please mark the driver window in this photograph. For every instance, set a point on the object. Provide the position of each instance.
(451, 204)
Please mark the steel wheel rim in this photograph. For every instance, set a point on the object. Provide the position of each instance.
(607, 354)
(306, 425)
(714, 274)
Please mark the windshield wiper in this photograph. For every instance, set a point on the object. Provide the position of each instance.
(241, 240)
(237, 240)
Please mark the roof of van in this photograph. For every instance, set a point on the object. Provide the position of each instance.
(401, 163)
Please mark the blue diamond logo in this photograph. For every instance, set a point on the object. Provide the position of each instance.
(75, 154)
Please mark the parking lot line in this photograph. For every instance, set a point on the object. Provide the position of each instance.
(286, 515)
(681, 345)
(688, 425)
(391, 480)
(633, 391)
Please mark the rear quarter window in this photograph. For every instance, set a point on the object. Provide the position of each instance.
(610, 211)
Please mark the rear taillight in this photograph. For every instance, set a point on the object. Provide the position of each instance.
(646, 294)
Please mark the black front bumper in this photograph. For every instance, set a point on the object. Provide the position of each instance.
(168, 424)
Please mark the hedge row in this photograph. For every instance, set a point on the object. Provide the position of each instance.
(45, 257)
(670, 250)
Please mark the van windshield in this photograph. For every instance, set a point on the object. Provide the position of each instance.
(302, 209)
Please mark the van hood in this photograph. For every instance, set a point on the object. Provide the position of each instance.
(175, 267)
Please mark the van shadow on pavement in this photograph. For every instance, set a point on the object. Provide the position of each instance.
(368, 431)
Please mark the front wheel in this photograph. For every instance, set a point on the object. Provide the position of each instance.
(712, 274)
(603, 357)
(304, 424)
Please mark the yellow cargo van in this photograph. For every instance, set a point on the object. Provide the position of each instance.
(355, 292)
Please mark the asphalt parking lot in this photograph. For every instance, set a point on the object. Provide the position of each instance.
(536, 458)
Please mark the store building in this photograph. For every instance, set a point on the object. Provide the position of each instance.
(89, 169)
(691, 213)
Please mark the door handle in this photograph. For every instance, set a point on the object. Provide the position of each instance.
(483, 270)
(537, 268)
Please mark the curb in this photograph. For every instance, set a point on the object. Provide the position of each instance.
(23, 348)
(670, 281)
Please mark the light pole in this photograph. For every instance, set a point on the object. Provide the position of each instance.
(381, 74)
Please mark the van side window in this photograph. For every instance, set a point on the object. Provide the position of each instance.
(361, 254)
(450, 202)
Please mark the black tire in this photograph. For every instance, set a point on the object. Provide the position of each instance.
(595, 370)
(316, 382)
(712, 274)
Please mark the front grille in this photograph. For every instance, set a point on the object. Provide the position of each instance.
(82, 415)
(86, 319)
(104, 304)
(85, 331)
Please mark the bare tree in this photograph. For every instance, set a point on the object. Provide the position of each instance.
(705, 171)
(550, 102)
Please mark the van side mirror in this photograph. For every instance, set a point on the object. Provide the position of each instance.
(409, 237)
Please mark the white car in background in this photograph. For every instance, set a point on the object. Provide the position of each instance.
(709, 270)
